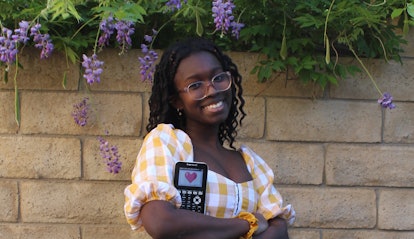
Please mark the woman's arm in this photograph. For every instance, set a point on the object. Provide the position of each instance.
(277, 230)
(162, 220)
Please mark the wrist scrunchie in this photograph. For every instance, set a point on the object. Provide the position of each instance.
(253, 222)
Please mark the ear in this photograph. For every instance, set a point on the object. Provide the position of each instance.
(176, 102)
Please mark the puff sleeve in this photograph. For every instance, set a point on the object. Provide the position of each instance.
(152, 176)
(270, 203)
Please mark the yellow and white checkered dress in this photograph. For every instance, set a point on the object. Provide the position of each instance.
(153, 179)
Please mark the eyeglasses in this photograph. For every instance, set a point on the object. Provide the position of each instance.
(198, 90)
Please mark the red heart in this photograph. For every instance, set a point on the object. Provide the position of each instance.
(190, 176)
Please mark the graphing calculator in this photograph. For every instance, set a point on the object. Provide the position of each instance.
(190, 179)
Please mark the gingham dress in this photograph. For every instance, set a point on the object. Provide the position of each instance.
(152, 179)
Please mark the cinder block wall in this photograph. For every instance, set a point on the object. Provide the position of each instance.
(344, 163)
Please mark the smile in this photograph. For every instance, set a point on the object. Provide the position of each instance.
(214, 106)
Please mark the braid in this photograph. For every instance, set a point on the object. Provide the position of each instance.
(163, 88)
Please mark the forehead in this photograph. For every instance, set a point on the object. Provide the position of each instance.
(198, 63)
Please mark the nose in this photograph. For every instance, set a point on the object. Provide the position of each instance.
(210, 89)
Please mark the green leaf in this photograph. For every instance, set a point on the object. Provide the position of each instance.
(254, 70)
(16, 106)
(6, 76)
(264, 73)
(327, 51)
(410, 9)
(199, 28)
(396, 12)
(283, 48)
(308, 20)
(71, 54)
(64, 81)
(405, 28)
(64, 9)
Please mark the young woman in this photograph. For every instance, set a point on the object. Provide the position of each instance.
(195, 107)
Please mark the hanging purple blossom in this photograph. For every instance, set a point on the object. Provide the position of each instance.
(81, 112)
(110, 155)
(21, 32)
(147, 63)
(42, 41)
(107, 27)
(174, 4)
(236, 27)
(223, 17)
(8, 46)
(124, 30)
(386, 101)
(93, 69)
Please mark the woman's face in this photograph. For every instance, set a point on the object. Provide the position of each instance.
(215, 107)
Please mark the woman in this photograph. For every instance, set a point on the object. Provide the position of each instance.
(194, 109)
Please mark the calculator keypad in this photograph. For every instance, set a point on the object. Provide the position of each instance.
(192, 200)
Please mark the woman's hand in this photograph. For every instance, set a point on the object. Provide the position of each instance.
(162, 220)
(262, 222)
(277, 229)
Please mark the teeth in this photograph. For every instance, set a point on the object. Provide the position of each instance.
(214, 106)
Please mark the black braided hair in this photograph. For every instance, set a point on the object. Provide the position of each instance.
(163, 88)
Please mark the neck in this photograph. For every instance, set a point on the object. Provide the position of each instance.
(204, 137)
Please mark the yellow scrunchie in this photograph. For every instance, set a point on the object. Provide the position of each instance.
(253, 222)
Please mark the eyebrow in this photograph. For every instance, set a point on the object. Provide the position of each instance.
(213, 72)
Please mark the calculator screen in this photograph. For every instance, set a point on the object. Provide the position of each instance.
(190, 177)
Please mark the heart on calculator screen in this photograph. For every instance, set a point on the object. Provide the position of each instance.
(190, 176)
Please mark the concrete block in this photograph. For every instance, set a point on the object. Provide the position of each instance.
(334, 208)
(392, 77)
(121, 72)
(72, 202)
(365, 234)
(43, 74)
(254, 122)
(112, 232)
(8, 124)
(50, 113)
(369, 165)
(292, 163)
(396, 210)
(40, 157)
(9, 201)
(321, 121)
(35, 231)
(303, 233)
(399, 124)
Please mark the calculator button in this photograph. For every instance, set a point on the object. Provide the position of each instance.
(197, 200)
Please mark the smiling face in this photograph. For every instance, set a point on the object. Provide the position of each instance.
(215, 107)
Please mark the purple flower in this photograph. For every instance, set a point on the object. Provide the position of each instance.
(93, 69)
(147, 63)
(124, 30)
(236, 27)
(110, 155)
(8, 45)
(9, 41)
(386, 101)
(223, 17)
(42, 41)
(107, 27)
(21, 32)
(81, 112)
(223, 14)
(174, 4)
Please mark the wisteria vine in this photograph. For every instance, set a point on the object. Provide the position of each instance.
(110, 155)
(10, 41)
(120, 30)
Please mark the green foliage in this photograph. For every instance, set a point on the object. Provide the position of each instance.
(301, 35)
